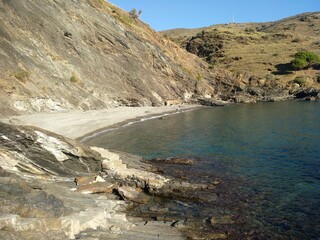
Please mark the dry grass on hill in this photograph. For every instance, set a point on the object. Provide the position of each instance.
(261, 49)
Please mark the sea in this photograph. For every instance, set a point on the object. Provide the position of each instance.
(266, 157)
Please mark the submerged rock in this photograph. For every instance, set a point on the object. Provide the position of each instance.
(178, 161)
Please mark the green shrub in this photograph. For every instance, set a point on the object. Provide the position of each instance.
(21, 75)
(318, 79)
(301, 80)
(299, 63)
(134, 13)
(249, 30)
(199, 76)
(74, 78)
(124, 18)
(211, 66)
(305, 59)
(270, 77)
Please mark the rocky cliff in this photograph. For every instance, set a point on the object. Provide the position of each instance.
(89, 54)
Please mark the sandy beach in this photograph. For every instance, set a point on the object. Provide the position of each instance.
(77, 124)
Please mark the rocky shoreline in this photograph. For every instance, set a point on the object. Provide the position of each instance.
(56, 188)
(53, 187)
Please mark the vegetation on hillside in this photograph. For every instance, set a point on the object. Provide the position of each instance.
(134, 13)
(265, 50)
(305, 59)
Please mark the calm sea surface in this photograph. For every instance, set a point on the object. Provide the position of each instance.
(267, 156)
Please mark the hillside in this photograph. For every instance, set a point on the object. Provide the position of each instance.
(261, 49)
(89, 54)
(59, 56)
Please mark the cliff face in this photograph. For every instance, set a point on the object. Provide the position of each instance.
(88, 54)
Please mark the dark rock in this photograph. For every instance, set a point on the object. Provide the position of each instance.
(212, 102)
(255, 91)
(178, 161)
(308, 94)
(68, 34)
(243, 99)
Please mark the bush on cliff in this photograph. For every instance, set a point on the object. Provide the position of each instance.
(301, 80)
(305, 59)
(134, 13)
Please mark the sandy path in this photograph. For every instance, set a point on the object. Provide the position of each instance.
(76, 124)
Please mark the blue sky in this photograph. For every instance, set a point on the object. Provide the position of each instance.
(168, 14)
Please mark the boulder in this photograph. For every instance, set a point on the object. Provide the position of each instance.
(97, 187)
(32, 150)
(133, 194)
(212, 102)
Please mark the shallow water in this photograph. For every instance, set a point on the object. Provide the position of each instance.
(267, 155)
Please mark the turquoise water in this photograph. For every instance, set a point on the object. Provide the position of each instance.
(267, 155)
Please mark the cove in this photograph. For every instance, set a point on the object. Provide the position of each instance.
(266, 154)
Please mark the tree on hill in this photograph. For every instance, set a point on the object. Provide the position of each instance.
(134, 13)
(305, 59)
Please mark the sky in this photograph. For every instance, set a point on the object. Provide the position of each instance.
(169, 14)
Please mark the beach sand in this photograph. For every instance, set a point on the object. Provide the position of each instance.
(77, 124)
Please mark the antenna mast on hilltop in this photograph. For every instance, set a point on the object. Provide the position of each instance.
(233, 19)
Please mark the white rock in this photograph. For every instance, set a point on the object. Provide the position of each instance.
(99, 179)
(54, 146)
(20, 105)
(8, 220)
(115, 230)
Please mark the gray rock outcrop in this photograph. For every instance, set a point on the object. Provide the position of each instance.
(53, 188)
(88, 54)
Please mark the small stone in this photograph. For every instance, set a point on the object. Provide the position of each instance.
(115, 230)
(216, 181)
(99, 179)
